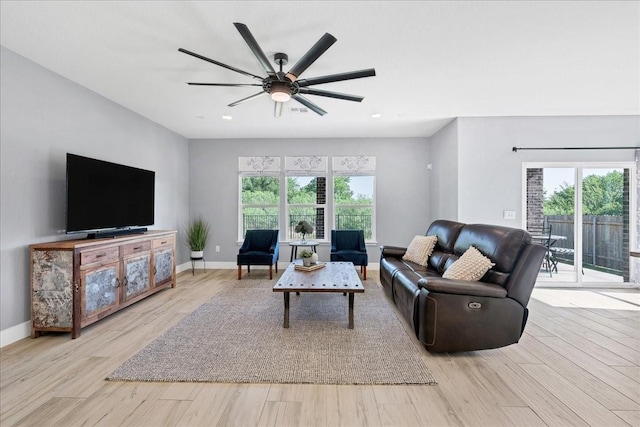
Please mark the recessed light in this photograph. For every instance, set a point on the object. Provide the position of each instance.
(376, 116)
(227, 117)
(199, 117)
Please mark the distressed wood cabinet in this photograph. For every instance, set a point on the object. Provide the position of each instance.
(75, 283)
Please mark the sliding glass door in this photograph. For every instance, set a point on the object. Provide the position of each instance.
(583, 215)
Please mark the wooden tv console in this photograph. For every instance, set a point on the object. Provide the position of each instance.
(75, 283)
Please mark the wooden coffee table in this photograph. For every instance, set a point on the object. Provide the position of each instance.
(334, 277)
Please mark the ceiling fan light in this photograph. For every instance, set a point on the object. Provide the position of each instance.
(280, 96)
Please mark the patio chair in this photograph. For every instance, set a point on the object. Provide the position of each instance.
(549, 261)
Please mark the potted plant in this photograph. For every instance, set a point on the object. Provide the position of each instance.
(306, 257)
(304, 228)
(197, 234)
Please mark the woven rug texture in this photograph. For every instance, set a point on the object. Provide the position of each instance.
(238, 337)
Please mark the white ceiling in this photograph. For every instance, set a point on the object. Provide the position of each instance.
(434, 60)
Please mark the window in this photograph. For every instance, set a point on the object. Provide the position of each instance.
(306, 201)
(306, 194)
(342, 198)
(259, 194)
(354, 194)
(353, 199)
(260, 203)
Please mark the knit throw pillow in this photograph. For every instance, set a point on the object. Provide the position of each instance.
(472, 265)
(420, 249)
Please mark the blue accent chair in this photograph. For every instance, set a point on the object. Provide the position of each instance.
(348, 245)
(260, 247)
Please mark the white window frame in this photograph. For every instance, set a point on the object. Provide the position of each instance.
(258, 166)
(355, 166)
(372, 206)
(308, 167)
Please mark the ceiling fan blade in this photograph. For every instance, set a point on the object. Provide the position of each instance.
(248, 98)
(228, 67)
(223, 84)
(277, 109)
(369, 72)
(255, 48)
(328, 94)
(310, 57)
(310, 105)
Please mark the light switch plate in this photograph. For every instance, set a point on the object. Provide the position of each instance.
(509, 214)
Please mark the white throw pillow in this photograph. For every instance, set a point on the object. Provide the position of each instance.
(420, 249)
(472, 265)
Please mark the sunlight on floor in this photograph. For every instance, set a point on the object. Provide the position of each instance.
(566, 274)
(584, 298)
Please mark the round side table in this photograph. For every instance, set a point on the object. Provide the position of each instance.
(307, 244)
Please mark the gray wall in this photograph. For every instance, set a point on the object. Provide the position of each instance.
(443, 192)
(44, 116)
(490, 173)
(402, 185)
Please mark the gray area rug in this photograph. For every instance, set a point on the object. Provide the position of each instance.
(238, 337)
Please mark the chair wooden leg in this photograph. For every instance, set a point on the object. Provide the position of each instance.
(239, 272)
(270, 271)
(364, 272)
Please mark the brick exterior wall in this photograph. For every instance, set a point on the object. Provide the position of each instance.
(321, 198)
(535, 199)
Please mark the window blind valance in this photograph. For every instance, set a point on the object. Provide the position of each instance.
(259, 165)
(354, 165)
(306, 165)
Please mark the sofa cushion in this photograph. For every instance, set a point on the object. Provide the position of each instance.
(447, 233)
(472, 265)
(500, 244)
(420, 249)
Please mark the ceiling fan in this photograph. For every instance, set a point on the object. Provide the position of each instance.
(283, 86)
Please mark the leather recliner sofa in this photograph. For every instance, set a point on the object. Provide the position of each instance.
(450, 315)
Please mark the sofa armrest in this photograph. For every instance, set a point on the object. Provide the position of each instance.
(392, 251)
(462, 287)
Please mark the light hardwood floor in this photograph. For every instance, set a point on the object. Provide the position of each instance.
(577, 364)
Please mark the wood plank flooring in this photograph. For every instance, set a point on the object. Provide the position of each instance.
(578, 364)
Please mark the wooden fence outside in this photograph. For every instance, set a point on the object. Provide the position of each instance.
(602, 241)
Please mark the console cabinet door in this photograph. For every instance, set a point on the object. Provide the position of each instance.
(163, 266)
(99, 287)
(137, 279)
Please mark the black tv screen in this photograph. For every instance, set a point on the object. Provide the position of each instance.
(104, 195)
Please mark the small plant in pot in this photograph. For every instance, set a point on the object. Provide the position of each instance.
(197, 234)
(306, 257)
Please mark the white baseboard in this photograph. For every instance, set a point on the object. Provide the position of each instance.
(15, 333)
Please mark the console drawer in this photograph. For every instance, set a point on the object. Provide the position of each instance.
(134, 248)
(99, 255)
(163, 241)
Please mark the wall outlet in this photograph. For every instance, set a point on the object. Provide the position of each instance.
(509, 214)
(217, 248)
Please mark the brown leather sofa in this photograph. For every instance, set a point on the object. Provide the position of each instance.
(450, 315)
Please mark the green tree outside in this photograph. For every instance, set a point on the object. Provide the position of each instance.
(601, 195)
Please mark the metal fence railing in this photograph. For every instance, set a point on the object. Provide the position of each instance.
(343, 222)
(355, 222)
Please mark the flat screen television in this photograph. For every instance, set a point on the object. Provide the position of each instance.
(105, 198)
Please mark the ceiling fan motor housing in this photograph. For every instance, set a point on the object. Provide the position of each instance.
(271, 84)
